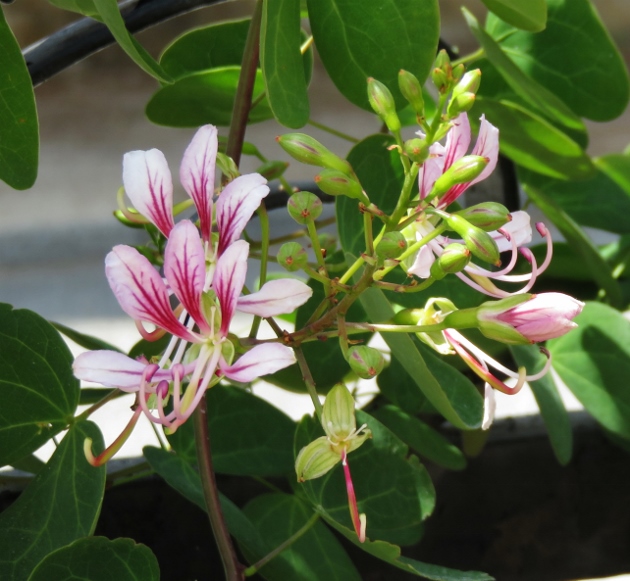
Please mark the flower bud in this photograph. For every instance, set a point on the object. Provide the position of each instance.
(392, 245)
(227, 166)
(489, 216)
(292, 256)
(272, 170)
(304, 207)
(411, 89)
(460, 104)
(417, 150)
(454, 258)
(442, 72)
(308, 150)
(337, 183)
(528, 318)
(315, 459)
(458, 72)
(366, 362)
(464, 170)
(480, 243)
(338, 418)
(383, 104)
(469, 83)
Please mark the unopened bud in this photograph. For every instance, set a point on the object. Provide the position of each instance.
(460, 104)
(464, 170)
(383, 104)
(227, 166)
(392, 245)
(292, 256)
(315, 459)
(304, 207)
(308, 150)
(417, 150)
(442, 72)
(272, 170)
(458, 72)
(469, 83)
(411, 89)
(454, 258)
(366, 362)
(489, 216)
(480, 243)
(337, 183)
(440, 80)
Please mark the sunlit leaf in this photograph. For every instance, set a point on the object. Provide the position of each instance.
(530, 15)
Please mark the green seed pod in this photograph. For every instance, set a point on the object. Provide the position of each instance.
(366, 362)
(308, 150)
(304, 207)
(454, 258)
(316, 459)
(292, 256)
(337, 183)
(488, 216)
(417, 150)
(392, 245)
(411, 89)
(383, 104)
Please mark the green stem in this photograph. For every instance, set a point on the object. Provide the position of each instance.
(333, 131)
(307, 376)
(245, 89)
(469, 58)
(113, 394)
(233, 569)
(405, 194)
(294, 537)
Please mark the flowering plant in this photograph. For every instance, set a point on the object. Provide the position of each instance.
(427, 299)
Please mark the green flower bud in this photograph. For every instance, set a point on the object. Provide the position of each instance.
(411, 89)
(488, 216)
(366, 362)
(454, 258)
(337, 183)
(316, 459)
(440, 80)
(417, 150)
(338, 414)
(464, 170)
(227, 166)
(442, 61)
(442, 72)
(292, 256)
(458, 72)
(327, 242)
(383, 104)
(272, 170)
(459, 104)
(480, 243)
(308, 150)
(392, 245)
(469, 83)
(304, 207)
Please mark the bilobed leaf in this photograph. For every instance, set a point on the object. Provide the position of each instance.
(60, 506)
(282, 63)
(578, 240)
(594, 362)
(99, 559)
(530, 15)
(599, 202)
(421, 437)
(574, 57)
(204, 97)
(377, 38)
(39, 392)
(543, 100)
(249, 436)
(110, 13)
(534, 143)
(19, 140)
(315, 555)
(552, 409)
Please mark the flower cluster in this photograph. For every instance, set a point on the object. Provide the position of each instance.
(205, 272)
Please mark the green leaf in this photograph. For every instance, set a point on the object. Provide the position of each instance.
(530, 15)
(99, 559)
(83, 340)
(282, 63)
(535, 94)
(552, 409)
(598, 202)
(452, 395)
(315, 555)
(578, 240)
(60, 506)
(388, 487)
(421, 438)
(574, 57)
(391, 554)
(400, 389)
(357, 40)
(594, 362)
(39, 392)
(249, 436)
(617, 168)
(205, 97)
(19, 144)
(30, 463)
(149, 349)
(533, 142)
(85, 7)
(110, 13)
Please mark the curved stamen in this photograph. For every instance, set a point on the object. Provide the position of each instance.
(358, 521)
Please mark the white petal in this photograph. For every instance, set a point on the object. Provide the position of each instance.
(520, 231)
(229, 278)
(421, 266)
(276, 297)
(261, 360)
